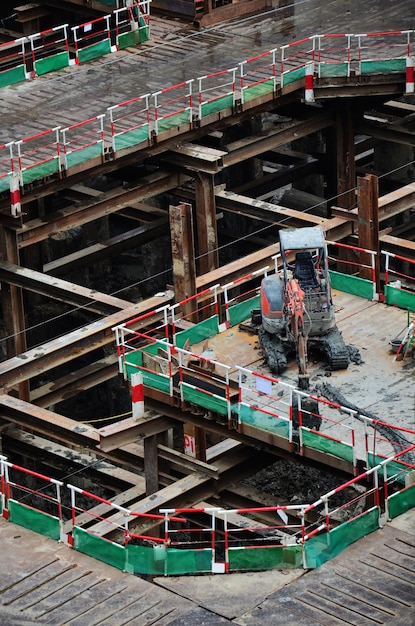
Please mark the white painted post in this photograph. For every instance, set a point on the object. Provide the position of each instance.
(137, 395)
(410, 76)
(309, 83)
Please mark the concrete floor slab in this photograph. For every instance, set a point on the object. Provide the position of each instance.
(230, 596)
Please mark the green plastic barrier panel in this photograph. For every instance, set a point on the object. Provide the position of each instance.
(281, 557)
(156, 381)
(101, 549)
(399, 297)
(352, 284)
(220, 104)
(96, 50)
(110, 3)
(126, 40)
(52, 63)
(188, 561)
(256, 91)
(383, 66)
(4, 183)
(402, 501)
(276, 425)
(132, 137)
(393, 468)
(325, 444)
(35, 520)
(38, 172)
(328, 70)
(198, 332)
(292, 76)
(83, 154)
(144, 31)
(200, 398)
(148, 560)
(173, 121)
(12, 76)
(242, 311)
(325, 546)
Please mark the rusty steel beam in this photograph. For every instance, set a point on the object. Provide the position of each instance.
(74, 344)
(335, 229)
(47, 423)
(195, 158)
(130, 429)
(255, 145)
(82, 379)
(387, 132)
(389, 205)
(264, 211)
(105, 249)
(39, 229)
(61, 290)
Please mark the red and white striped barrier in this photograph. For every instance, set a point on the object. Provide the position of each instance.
(410, 75)
(137, 395)
(15, 205)
(309, 83)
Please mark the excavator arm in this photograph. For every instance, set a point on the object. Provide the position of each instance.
(294, 308)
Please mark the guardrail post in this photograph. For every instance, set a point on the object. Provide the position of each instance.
(15, 205)
(410, 75)
(309, 83)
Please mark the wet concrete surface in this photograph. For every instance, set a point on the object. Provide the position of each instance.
(178, 52)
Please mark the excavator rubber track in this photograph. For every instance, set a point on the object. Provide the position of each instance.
(274, 351)
(335, 351)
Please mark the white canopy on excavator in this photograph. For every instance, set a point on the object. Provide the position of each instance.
(309, 238)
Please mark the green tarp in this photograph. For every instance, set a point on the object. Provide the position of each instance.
(37, 172)
(224, 102)
(258, 90)
(326, 546)
(271, 423)
(12, 76)
(401, 502)
(328, 445)
(132, 137)
(83, 154)
(42, 523)
(94, 51)
(198, 332)
(352, 284)
(280, 557)
(101, 549)
(399, 297)
(52, 63)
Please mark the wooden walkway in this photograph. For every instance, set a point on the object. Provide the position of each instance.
(372, 583)
(177, 52)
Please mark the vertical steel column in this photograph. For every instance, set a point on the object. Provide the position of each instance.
(184, 277)
(151, 464)
(12, 306)
(367, 202)
(183, 254)
(345, 158)
(207, 234)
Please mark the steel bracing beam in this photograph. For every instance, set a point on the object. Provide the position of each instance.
(74, 344)
(37, 230)
(61, 290)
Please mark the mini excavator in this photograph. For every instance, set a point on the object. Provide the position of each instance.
(297, 311)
